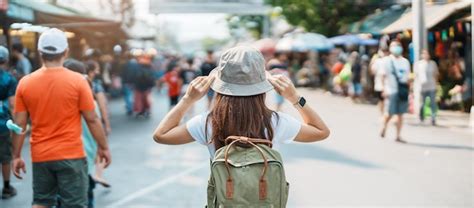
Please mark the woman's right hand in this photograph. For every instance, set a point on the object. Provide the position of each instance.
(285, 87)
(198, 88)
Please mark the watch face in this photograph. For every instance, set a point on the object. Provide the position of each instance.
(302, 102)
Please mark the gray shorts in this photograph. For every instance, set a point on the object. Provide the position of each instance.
(5, 148)
(67, 179)
(394, 105)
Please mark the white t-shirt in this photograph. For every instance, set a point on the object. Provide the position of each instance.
(378, 70)
(285, 129)
(402, 68)
(425, 74)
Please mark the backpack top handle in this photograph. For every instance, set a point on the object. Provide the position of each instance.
(262, 182)
(246, 140)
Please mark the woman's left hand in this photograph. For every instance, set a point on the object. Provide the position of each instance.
(198, 88)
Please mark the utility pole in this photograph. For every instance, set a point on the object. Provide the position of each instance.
(420, 42)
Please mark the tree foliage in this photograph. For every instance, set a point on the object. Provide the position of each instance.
(123, 8)
(327, 17)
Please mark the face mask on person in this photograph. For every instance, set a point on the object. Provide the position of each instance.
(396, 50)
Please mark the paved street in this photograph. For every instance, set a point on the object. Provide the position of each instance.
(354, 167)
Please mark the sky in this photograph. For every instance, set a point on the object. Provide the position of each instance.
(187, 27)
(196, 26)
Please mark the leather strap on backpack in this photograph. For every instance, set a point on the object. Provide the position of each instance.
(262, 183)
(246, 140)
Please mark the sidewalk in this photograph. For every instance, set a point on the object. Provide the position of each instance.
(352, 168)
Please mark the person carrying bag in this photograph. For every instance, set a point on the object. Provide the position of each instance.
(403, 87)
(245, 172)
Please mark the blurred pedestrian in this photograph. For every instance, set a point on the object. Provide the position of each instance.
(278, 66)
(396, 88)
(426, 77)
(106, 71)
(377, 68)
(174, 83)
(7, 97)
(128, 75)
(206, 68)
(144, 81)
(92, 71)
(240, 84)
(23, 66)
(187, 74)
(90, 145)
(356, 76)
(455, 75)
(54, 99)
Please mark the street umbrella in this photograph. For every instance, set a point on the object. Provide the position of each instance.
(351, 39)
(265, 45)
(301, 42)
(369, 42)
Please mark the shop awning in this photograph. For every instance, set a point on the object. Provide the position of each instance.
(45, 14)
(375, 23)
(434, 14)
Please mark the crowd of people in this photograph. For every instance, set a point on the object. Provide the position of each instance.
(62, 106)
(72, 144)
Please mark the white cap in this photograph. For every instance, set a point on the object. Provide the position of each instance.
(117, 49)
(52, 41)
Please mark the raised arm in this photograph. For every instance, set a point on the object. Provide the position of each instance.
(313, 128)
(169, 131)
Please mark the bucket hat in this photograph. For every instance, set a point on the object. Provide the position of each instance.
(241, 72)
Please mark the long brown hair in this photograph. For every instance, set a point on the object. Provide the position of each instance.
(239, 116)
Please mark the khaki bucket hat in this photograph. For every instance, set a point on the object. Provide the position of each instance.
(241, 72)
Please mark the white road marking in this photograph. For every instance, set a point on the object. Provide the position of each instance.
(155, 186)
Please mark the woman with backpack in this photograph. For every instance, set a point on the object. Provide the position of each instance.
(239, 109)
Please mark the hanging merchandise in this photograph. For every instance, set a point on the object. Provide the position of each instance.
(438, 35)
(406, 34)
(439, 49)
(468, 28)
(430, 37)
(444, 35)
(451, 32)
(459, 26)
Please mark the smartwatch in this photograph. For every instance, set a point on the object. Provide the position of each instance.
(301, 102)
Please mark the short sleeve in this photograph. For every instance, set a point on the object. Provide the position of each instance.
(285, 129)
(19, 101)
(196, 127)
(86, 100)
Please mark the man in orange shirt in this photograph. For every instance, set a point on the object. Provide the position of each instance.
(55, 98)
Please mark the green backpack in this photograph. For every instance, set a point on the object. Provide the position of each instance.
(247, 177)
